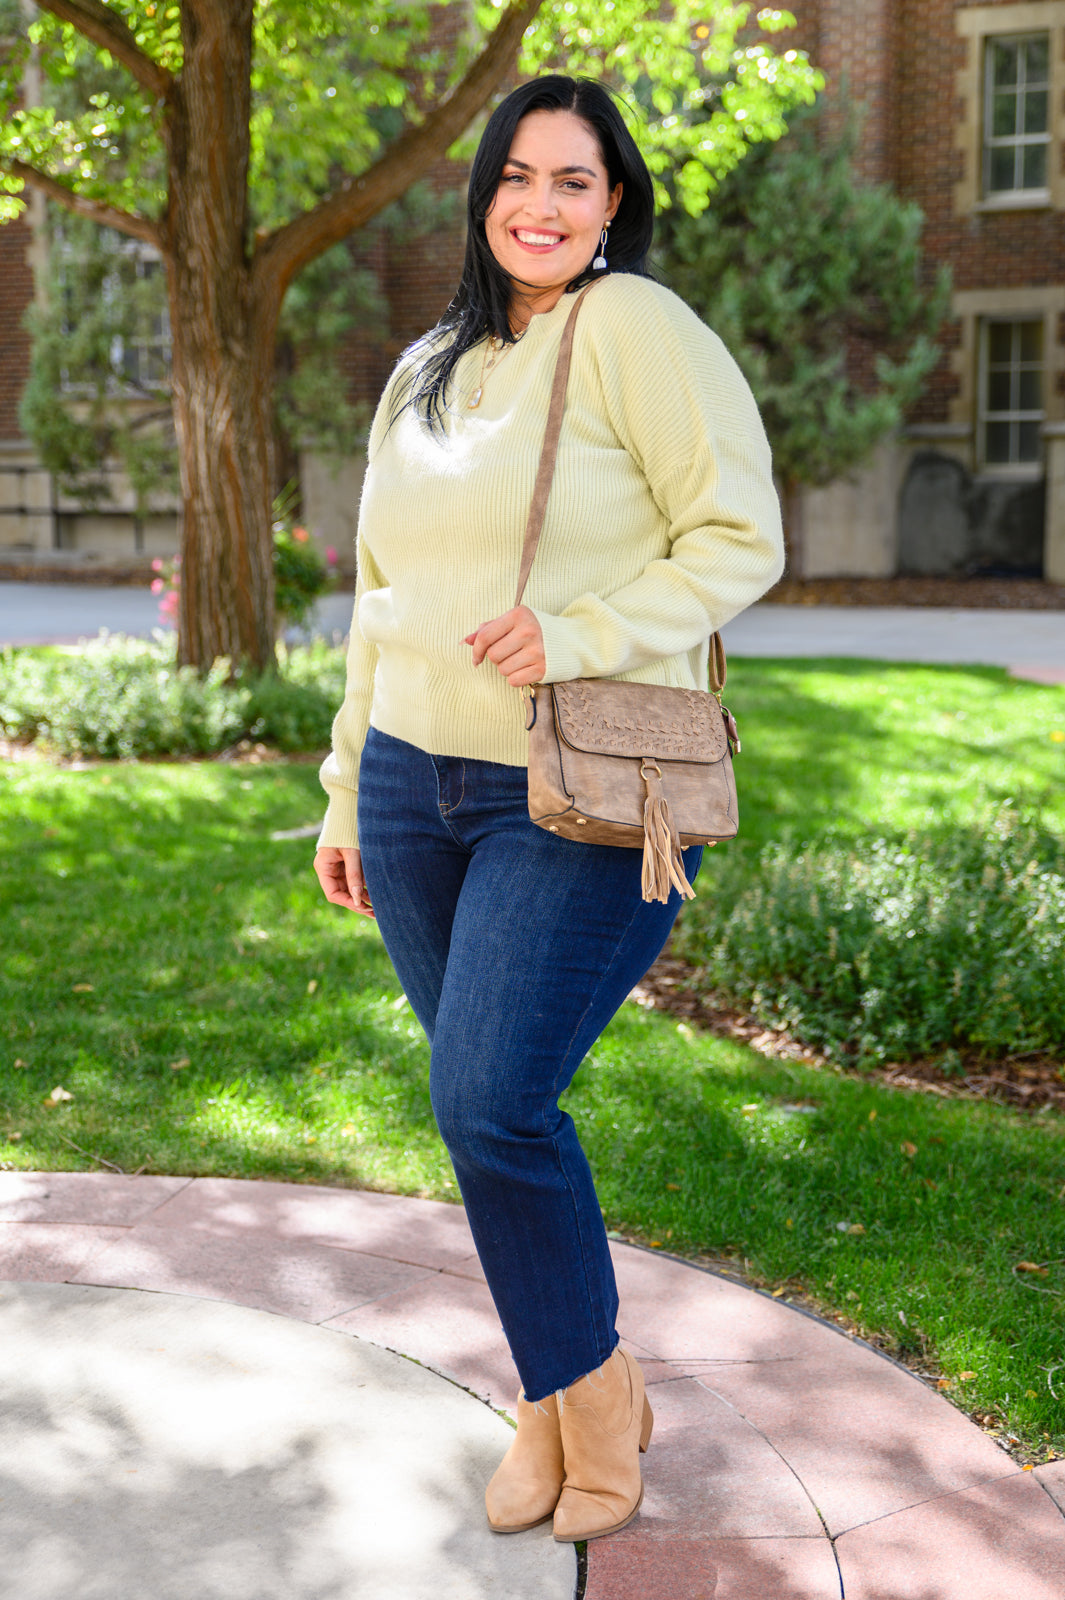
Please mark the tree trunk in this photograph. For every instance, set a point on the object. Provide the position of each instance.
(225, 302)
(223, 335)
(223, 416)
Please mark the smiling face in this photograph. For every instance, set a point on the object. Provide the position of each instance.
(553, 199)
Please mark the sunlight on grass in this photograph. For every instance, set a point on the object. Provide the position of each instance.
(173, 967)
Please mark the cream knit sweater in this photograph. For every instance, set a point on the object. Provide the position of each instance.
(662, 524)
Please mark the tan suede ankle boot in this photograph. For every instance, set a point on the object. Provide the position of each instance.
(528, 1481)
(605, 1422)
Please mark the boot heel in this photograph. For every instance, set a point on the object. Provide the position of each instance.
(646, 1425)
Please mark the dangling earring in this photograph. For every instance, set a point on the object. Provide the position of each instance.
(599, 264)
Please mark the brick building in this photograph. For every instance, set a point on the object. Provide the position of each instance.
(25, 492)
(964, 112)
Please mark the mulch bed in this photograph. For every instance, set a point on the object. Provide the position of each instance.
(124, 575)
(1027, 1082)
(962, 594)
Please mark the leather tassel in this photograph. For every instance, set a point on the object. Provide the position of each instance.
(663, 864)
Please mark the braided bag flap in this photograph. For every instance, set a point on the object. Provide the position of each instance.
(632, 764)
(604, 717)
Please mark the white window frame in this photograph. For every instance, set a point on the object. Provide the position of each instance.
(976, 26)
(1017, 141)
(1014, 415)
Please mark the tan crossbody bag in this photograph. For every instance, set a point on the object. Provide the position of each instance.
(620, 763)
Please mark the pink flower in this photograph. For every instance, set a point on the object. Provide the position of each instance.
(168, 606)
(157, 565)
(300, 535)
(157, 584)
(331, 555)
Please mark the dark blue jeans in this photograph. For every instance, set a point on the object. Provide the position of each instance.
(514, 948)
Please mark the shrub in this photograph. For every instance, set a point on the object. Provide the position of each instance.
(897, 948)
(301, 574)
(294, 710)
(123, 698)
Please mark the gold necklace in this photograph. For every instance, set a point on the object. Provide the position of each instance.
(498, 350)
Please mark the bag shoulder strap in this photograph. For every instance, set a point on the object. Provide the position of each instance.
(718, 668)
(546, 470)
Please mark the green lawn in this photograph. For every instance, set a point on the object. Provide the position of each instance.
(173, 969)
(854, 747)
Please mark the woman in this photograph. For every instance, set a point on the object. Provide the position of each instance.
(515, 947)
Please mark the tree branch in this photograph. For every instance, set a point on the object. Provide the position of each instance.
(282, 253)
(96, 210)
(97, 22)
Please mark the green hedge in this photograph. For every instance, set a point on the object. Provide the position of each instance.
(123, 698)
(893, 948)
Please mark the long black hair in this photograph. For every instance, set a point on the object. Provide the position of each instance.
(482, 301)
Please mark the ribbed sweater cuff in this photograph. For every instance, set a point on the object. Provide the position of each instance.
(341, 826)
(561, 649)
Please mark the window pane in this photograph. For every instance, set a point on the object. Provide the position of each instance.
(1000, 342)
(1030, 391)
(1037, 60)
(1002, 167)
(1035, 166)
(998, 391)
(1003, 64)
(1031, 341)
(1028, 446)
(1011, 400)
(997, 445)
(1004, 114)
(1035, 111)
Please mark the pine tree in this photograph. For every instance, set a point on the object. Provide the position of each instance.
(816, 282)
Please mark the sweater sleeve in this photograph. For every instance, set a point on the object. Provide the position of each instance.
(339, 772)
(682, 409)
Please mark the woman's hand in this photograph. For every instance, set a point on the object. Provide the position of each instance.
(514, 643)
(340, 875)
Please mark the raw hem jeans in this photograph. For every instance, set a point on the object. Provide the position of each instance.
(514, 948)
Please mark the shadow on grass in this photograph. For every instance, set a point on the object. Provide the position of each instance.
(908, 1212)
(177, 972)
(820, 756)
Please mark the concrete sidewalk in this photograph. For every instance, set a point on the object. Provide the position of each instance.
(224, 1390)
(1033, 642)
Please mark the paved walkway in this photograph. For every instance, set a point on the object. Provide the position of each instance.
(223, 1390)
(1031, 642)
